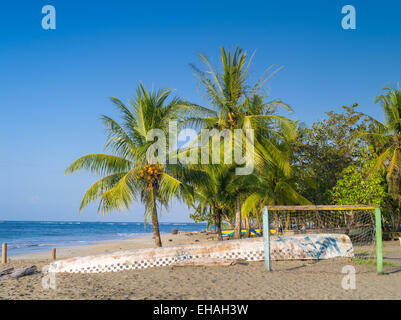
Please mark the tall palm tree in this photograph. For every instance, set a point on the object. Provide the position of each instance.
(388, 135)
(235, 104)
(131, 173)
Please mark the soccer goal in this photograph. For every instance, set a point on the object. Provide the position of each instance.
(323, 232)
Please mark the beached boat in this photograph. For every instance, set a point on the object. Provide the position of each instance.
(311, 246)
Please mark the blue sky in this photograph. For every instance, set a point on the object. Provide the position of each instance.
(55, 84)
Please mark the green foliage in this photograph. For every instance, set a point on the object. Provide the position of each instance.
(271, 186)
(387, 136)
(372, 262)
(323, 151)
(214, 195)
(204, 217)
(358, 185)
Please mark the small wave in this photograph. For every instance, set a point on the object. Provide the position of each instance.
(46, 244)
(12, 246)
(126, 234)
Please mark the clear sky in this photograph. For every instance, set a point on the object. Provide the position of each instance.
(55, 84)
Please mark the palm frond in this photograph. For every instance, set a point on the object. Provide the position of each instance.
(99, 187)
(121, 195)
(101, 164)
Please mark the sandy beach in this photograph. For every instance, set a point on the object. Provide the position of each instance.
(288, 279)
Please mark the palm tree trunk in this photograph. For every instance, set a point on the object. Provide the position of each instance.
(218, 225)
(276, 222)
(155, 222)
(247, 227)
(228, 219)
(259, 218)
(397, 218)
(237, 231)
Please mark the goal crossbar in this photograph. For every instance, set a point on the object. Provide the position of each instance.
(327, 208)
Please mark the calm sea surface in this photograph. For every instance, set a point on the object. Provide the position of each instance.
(28, 236)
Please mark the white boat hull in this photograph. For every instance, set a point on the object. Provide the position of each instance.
(290, 247)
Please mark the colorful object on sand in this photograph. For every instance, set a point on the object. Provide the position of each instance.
(253, 232)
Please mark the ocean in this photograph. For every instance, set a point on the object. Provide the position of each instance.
(29, 236)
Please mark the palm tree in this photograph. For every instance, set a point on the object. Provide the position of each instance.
(131, 172)
(212, 193)
(388, 135)
(271, 186)
(236, 104)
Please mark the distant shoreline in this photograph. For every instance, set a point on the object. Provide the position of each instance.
(68, 248)
(106, 246)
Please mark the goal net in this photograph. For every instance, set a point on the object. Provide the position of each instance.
(323, 232)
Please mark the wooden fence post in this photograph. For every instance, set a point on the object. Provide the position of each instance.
(4, 253)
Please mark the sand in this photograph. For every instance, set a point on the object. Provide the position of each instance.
(288, 279)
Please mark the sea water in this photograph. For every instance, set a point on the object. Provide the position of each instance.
(29, 236)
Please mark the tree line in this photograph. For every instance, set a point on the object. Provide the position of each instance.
(346, 158)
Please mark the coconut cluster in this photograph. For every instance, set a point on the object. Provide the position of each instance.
(150, 172)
